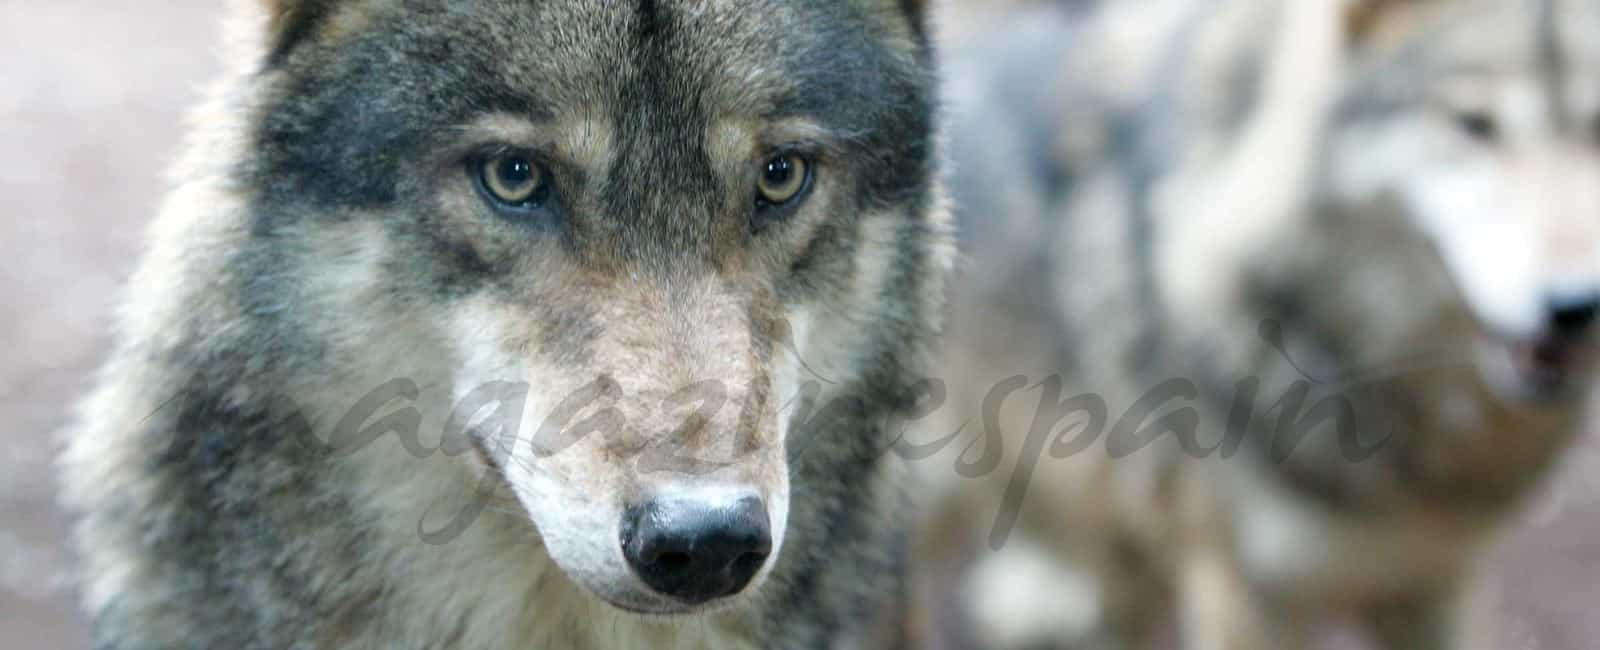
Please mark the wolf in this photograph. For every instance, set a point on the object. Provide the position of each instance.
(1278, 329)
(640, 283)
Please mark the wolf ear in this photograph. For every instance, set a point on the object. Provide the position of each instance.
(290, 22)
(1363, 17)
(916, 13)
(915, 9)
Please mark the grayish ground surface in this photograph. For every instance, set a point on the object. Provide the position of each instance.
(91, 95)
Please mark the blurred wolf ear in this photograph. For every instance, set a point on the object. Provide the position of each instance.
(916, 10)
(916, 13)
(1362, 18)
(290, 22)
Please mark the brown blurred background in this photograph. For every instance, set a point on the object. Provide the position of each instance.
(91, 100)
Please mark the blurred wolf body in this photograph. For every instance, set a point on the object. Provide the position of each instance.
(1279, 327)
(558, 263)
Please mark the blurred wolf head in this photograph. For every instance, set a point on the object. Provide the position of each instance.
(1451, 150)
(1467, 143)
(1361, 232)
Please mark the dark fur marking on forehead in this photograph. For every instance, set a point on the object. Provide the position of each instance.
(649, 18)
(661, 192)
(1552, 62)
(346, 122)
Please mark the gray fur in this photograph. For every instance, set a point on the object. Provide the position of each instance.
(321, 242)
(1168, 257)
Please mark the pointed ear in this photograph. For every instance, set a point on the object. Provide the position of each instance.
(290, 22)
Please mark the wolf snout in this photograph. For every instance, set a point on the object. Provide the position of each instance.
(697, 549)
(1573, 314)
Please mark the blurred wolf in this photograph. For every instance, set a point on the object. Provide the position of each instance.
(571, 264)
(1322, 286)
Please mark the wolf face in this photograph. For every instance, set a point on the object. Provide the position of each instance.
(642, 213)
(1479, 127)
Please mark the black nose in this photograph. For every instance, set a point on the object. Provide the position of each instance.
(695, 549)
(1573, 314)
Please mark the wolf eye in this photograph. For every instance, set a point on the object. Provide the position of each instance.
(1478, 124)
(513, 181)
(784, 178)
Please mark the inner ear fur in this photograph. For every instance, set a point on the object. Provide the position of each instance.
(291, 22)
(915, 13)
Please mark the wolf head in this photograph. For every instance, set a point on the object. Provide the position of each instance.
(1466, 147)
(645, 218)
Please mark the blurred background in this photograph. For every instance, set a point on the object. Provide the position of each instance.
(92, 94)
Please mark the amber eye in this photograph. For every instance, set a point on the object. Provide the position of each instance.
(1479, 125)
(784, 178)
(513, 180)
